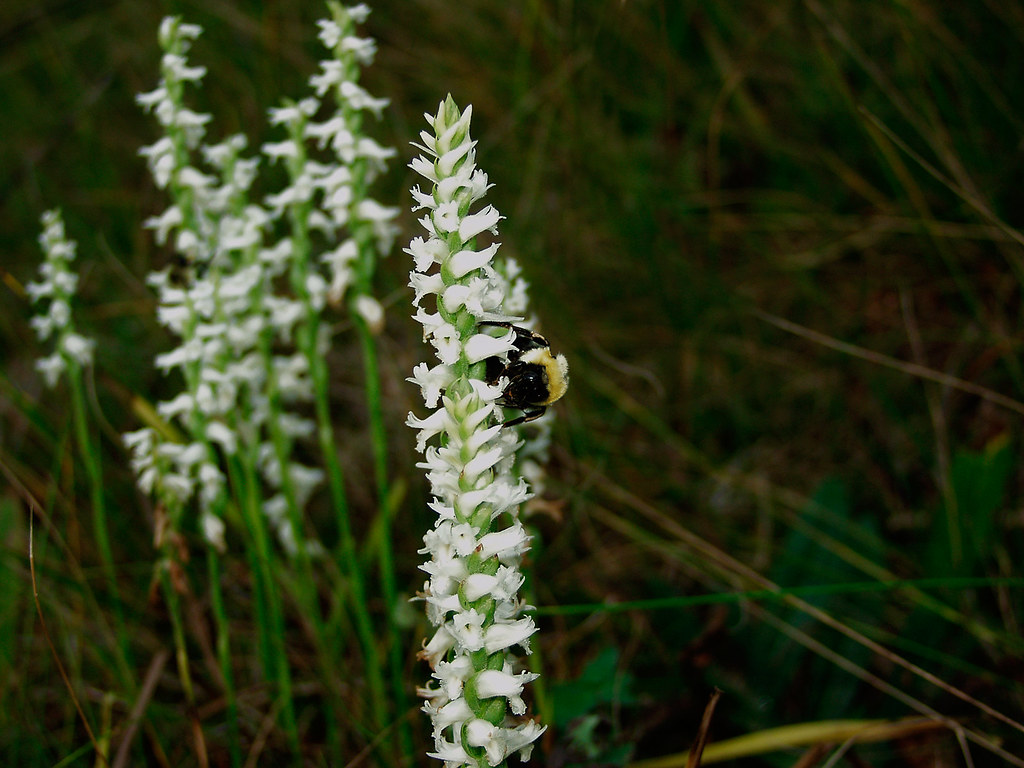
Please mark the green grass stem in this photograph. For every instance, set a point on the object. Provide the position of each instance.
(174, 610)
(347, 543)
(89, 450)
(385, 554)
(307, 337)
(222, 642)
(262, 559)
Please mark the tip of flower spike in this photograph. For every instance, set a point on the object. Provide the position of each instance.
(172, 30)
(451, 110)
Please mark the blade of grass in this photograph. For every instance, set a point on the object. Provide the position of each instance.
(791, 500)
(912, 369)
(798, 735)
(732, 568)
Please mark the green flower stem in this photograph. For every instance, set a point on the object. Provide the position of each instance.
(223, 644)
(362, 233)
(305, 586)
(272, 628)
(174, 608)
(378, 439)
(307, 336)
(385, 553)
(378, 435)
(90, 453)
(349, 555)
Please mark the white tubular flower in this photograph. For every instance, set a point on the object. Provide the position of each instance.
(57, 285)
(371, 311)
(474, 576)
(213, 531)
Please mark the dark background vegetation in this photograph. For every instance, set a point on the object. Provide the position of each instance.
(674, 175)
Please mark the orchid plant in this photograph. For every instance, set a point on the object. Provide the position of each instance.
(244, 298)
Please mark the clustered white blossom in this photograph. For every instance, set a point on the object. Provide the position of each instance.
(475, 697)
(206, 298)
(336, 189)
(242, 353)
(57, 285)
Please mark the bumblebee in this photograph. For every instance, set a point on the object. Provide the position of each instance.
(536, 378)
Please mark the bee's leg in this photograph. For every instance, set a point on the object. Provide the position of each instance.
(531, 415)
(493, 369)
(525, 339)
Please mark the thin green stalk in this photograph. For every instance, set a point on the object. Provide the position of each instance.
(272, 629)
(350, 560)
(305, 586)
(89, 451)
(378, 437)
(240, 486)
(385, 554)
(307, 335)
(307, 593)
(174, 609)
(363, 234)
(223, 644)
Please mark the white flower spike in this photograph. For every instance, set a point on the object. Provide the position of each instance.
(476, 702)
(57, 284)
